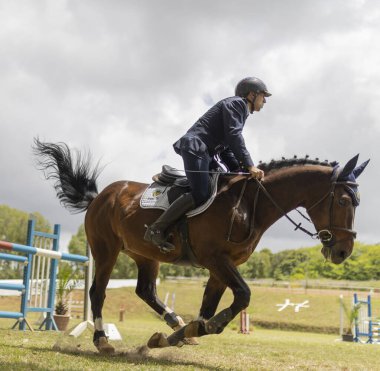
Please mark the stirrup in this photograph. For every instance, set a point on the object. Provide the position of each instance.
(156, 238)
(166, 247)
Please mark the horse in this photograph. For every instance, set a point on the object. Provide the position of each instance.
(221, 238)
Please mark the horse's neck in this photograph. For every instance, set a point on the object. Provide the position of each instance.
(291, 188)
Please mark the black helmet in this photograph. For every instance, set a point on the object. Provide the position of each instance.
(245, 86)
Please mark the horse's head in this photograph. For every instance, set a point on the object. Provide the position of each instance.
(333, 215)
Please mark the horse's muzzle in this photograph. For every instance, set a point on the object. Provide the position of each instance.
(339, 251)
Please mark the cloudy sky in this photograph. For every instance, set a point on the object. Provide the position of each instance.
(125, 79)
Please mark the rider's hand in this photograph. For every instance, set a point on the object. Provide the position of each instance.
(256, 173)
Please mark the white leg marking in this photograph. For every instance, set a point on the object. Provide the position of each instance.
(167, 310)
(99, 324)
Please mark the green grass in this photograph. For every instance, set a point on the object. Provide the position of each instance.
(321, 316)
(262, 349)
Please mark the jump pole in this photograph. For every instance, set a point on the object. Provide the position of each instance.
(25, 288)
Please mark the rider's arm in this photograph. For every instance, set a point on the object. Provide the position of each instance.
(234, 116)
(229, 160)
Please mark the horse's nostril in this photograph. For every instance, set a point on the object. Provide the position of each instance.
(343, 254)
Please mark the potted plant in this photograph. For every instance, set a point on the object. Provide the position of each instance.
(352, 314)
(67, 281)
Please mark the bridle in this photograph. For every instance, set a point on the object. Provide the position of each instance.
(325, 235)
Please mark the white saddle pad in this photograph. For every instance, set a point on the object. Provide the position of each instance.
(156, 197)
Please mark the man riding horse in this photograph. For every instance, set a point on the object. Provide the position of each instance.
(217, 132)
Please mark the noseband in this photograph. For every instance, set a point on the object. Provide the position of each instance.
(325, 235)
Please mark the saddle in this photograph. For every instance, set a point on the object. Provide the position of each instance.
(168, 185)
(170, 176)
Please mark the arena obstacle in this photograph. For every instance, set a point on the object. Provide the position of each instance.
(38, 286)
(365, 325)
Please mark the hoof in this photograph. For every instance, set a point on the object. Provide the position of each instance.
(158, 340)
(190, 341)
(104, 347)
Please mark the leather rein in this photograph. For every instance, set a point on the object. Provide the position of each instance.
(325, 235)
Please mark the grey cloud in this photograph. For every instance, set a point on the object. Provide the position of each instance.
(126, 79)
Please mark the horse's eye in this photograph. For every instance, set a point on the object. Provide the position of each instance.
(344, 201)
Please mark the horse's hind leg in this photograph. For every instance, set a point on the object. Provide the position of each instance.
(105, 260)
(146, 290)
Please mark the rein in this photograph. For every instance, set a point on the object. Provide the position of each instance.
(297, 226)
(324, 235)
(264, 190)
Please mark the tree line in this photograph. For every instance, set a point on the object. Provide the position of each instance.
(13, 228)
(293, 264)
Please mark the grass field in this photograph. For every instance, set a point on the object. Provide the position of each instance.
(261, 350)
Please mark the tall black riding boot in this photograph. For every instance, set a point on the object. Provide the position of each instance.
(155, 233)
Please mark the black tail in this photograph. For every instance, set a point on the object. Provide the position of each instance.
(75, 181)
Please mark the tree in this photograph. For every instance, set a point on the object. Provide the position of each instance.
(125, 267)
(14, 224)
(13, 228)
(77, 244)
(171, 270)
(258, 265)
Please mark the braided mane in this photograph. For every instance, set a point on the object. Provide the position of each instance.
(280, 164)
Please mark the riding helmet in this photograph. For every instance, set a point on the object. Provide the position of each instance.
(245, 86)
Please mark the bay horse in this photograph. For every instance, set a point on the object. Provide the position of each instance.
(221, 238)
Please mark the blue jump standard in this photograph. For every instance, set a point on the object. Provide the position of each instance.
(54, 255)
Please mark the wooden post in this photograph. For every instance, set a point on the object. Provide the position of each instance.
(244, 322)
(121, 313)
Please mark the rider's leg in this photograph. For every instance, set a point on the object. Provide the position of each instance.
(197, 172)
(199, 183)
(156, 232)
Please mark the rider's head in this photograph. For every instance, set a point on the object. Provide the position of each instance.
(254, 90)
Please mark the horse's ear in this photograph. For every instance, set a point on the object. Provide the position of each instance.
(359, 169)
(349, 167)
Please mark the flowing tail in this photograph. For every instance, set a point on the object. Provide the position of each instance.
(75, 182)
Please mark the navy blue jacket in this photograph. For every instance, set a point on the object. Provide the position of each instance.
(219, 132)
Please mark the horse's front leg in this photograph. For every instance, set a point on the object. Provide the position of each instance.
(213, 293)
(146, 290)
(226, 272)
